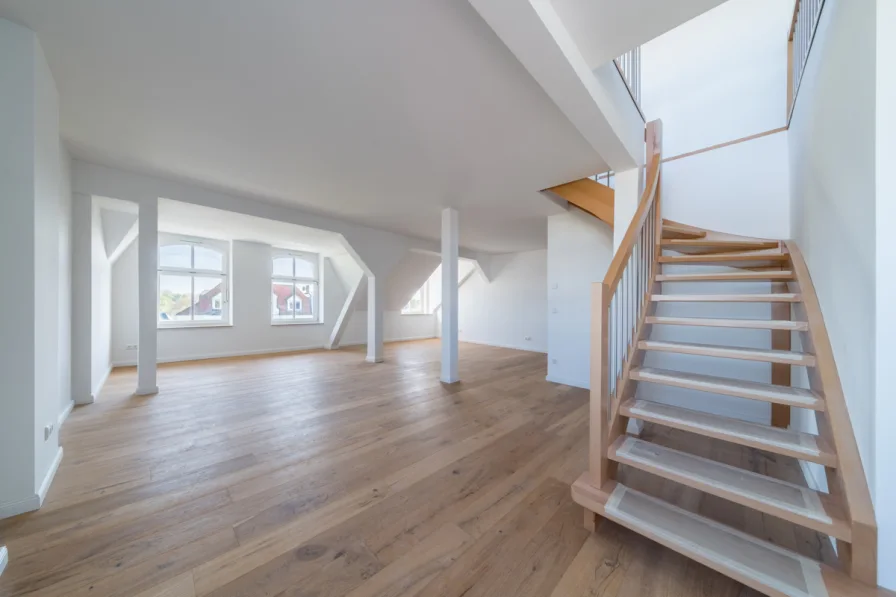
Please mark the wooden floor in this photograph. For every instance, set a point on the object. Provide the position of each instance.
(318, 474)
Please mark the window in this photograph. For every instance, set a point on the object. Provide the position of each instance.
(193, 282)
(294, 287)
(419, 303)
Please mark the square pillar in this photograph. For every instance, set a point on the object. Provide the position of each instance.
(375, 305)
(147, 295)
(449, 295)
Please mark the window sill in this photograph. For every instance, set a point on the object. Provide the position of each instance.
(415, 314)
(286, 323)
(194, 326)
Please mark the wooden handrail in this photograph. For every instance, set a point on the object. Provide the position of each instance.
(620, 304)
(835, 424)
(620, 258)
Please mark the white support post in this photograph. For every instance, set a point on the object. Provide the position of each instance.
(82, 299)
(376, 296)
(449, 295)
(147, 300)
(345, 315)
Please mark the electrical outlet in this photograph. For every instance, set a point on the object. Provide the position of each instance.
(554, 310)
(554, 286)
(528, 337)
(131, 347)
(48, 431)
(553, 361)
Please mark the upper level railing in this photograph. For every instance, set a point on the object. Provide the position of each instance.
(629, 65)
(806, 14)
(618, 305)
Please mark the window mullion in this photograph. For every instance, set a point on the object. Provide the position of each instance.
(192, 298)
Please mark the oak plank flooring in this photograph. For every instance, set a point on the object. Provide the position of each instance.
(316, 473)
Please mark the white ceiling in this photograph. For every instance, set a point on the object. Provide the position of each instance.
(605, 29)
(378, 112)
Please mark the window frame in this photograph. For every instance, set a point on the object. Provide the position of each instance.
(315, 259)
(424, 301)
(220, 246)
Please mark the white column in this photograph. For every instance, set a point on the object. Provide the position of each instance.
(449, 295)
(82, 298)
(147, 295)
(375, 304)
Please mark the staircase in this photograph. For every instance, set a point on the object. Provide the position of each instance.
(624, 318)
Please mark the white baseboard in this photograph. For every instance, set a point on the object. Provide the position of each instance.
(102, 382)
(48, 479)
(501, 345)
(263, 351)
(15, 508)
(575, 383)
(222, 355)
(64, 414)
(386, 341)
(35, 501)
(4, 558)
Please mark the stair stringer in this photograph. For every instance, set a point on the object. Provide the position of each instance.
(849, 490)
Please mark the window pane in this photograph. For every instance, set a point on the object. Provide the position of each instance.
(305, 301)
(175, 256)
(174, 298)
(306, 267)
(281, 301)
(283, 267)
(209, 259)
(208, 295)
(415, 305)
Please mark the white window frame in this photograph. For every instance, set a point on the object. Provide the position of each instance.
(223, 247)
(315, 317)
(424, 302)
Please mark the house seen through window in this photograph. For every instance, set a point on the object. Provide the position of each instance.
(294, 287)
(193, 281)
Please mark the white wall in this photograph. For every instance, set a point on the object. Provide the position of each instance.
(48, 188)
(717, 78)
(33, 179)
(65, 280)
(510, 308)
(885, 409)
(834, 203)
(580, 248)
(251, 331)
(17, 416)
(832, 163)
(720, 77)
(101, 305)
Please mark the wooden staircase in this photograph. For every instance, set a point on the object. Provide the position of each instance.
(623, 318)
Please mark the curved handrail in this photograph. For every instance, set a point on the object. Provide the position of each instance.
(620, 258)
(826, 379)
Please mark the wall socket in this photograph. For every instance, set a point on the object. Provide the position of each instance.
(528, 338)
(131, 347)
(48, 431)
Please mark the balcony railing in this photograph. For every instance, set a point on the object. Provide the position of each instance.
(629, 65)
(806, 14)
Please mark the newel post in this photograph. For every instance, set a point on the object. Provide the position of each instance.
(600, 394)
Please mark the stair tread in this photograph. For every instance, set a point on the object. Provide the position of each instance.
(771, 439)
(781, 297)
(759, 324)
(717, 242)
(756, 563)
(747, 354)
(722, 257)
(790, 396)
(767, 494)
(726, 276)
